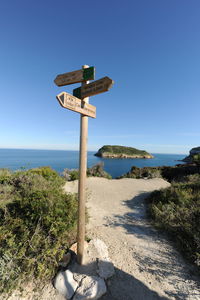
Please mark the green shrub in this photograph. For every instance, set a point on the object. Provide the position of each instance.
(98, 171)
(146, 172)
(177, 211)
(4, 175)
(74, 175)
(176, 173)
(71, 175)
(95, 171)
(196, 159)
(51, 175)
(37, 225)
(179, 172)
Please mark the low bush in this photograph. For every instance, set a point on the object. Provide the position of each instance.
(4, 175)
(95, 171)
(71, 174)
(37, 225)
(196, 159)
(146, 172)
(98, 171)
(177, 211)
(175, 173)
(179, 172)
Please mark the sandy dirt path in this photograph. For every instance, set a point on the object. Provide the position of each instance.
(146, 264)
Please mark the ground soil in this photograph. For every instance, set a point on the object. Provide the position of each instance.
(147, 265)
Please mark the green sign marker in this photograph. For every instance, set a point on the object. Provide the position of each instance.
(77, 92)
(89, 73)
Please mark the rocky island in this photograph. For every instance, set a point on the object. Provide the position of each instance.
(109, 151)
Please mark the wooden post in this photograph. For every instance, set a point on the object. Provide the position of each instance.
(76, 103)
(82, 181)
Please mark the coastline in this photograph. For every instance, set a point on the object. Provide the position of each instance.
(125, 156)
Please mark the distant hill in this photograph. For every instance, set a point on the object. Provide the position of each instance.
(193, 151)
(110, 151)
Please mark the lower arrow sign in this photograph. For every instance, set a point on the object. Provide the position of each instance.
(71, 102)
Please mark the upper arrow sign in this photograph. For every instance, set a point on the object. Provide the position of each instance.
(70, 102)
(93, 88)
(75, 76)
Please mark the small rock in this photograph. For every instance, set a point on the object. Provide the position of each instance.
(105, 269)
(101, 248)
(92, 287)
(65, 260)
(74, 247)
(65, 283)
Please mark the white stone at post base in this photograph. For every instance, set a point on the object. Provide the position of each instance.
(99, 250)
(105, 269)
(65, 284)
(92, 287)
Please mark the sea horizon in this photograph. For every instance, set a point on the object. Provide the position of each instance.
(16, 159)
(43, 149)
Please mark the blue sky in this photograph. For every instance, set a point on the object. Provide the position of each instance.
(150, 48)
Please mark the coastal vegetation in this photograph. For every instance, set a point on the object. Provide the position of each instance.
(110, 151)
(37, 225)
(95, 171)
(175, 173)
(146, 172)
(177, 211)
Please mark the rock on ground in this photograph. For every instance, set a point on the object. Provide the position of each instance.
(92, 287)
(65, 283)
(105, 269)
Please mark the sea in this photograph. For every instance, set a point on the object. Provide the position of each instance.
(16, 159)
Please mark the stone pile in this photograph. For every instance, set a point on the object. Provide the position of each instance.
(87, 281)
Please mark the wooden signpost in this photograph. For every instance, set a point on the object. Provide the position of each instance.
(80, 103)
(94, 88)
(70, 102)
(75, 76)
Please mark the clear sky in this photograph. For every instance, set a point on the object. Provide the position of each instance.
(150, 48)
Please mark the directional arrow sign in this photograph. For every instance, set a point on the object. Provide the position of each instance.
(75, 76)
(94, 88)
(70, 102)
